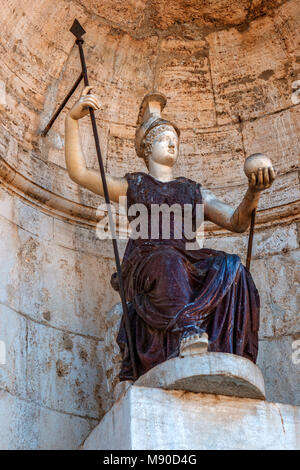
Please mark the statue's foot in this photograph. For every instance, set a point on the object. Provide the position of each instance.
(194, 344)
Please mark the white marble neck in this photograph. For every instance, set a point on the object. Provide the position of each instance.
(160, 172)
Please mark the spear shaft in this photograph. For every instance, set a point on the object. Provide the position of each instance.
(78, 31)
(250, 240)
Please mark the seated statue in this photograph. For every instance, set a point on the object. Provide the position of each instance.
(175, 294)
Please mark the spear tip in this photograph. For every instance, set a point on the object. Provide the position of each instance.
(77, 29)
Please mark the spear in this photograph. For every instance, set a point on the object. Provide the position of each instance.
(250, 240)
(78, 32)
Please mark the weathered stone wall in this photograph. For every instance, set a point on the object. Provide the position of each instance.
(227, 71)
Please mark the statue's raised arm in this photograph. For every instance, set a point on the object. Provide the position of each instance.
(261, 175)
(75, 161)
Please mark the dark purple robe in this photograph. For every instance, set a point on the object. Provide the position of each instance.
(173, 292)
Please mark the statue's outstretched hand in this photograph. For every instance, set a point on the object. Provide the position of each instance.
(261, 179)
(86, 101)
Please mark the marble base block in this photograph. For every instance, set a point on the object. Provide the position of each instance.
(156, 419)
(203, 401)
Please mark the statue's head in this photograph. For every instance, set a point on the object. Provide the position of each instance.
(161, 145)
(156, 138)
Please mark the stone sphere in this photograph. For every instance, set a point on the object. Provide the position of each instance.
(256, 161)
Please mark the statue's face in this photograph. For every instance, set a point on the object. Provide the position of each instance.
(165, 147)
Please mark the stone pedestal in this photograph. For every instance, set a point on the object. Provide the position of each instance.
(167, 409)
(155, 419)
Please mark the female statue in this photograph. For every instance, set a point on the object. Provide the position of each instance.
(176, 295)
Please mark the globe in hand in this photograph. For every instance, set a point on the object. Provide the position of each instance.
(256, 161)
